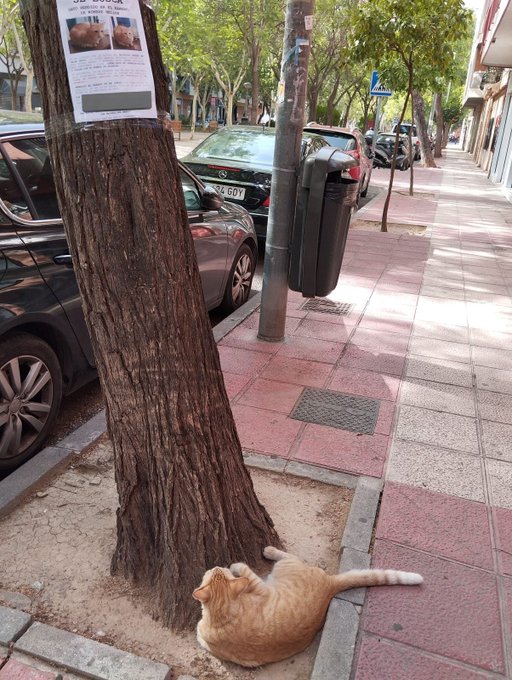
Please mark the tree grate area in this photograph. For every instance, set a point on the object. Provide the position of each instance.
(335, 409)
(328, 307)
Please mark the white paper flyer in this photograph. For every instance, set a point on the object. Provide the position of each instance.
(107, 59)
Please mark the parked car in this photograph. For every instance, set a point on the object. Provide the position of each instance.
(404, 130)
(353, 143)
(45, 350)
(237, 161)
(384, 149)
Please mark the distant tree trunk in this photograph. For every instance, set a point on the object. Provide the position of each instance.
(347, 109)
(439, 127)
(412, 153)
(174, 90)
(186, 500)
(385, 210)
(421, 126)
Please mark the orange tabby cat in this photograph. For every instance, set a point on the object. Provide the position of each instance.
(123, 36)
(86, 34)
(253, 622)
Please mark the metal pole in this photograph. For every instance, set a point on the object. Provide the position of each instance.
(377, 124)
(289, 124)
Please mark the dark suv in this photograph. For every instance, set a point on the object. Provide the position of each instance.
(45, 350)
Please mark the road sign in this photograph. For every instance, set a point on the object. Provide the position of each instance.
(377, 89)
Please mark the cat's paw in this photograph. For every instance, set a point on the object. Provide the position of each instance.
(272, 553)
(238, 568)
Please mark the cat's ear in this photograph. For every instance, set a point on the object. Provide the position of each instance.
(202, 594)
(238, 585)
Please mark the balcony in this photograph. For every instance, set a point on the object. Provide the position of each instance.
(497, 38)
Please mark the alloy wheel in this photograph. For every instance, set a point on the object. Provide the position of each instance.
(26, 398)
(242, 277)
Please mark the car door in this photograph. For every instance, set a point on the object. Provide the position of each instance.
(209, 232)
(39, 227)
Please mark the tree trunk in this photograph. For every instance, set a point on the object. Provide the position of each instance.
(421, 126)
(439, 126)
(186, 500)
(411, 156)
(174, 89)
(255, 90)
(385, 210)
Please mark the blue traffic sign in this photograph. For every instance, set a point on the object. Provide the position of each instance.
(377, 89)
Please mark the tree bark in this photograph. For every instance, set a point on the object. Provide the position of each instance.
(421, 126)
(385, 210)
(186, 500)
(439, 126)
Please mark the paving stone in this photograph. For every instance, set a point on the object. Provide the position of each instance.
(12, 624)
(437, 429)
(497, 440)
(493, 379)
(81, 655)
(500, 476)
(436, 523)
(437, 331)
(381, 659)
(495, 406)
(437, 469)
(14, 670)
(15, 600)
(454, 613)
(492, 357)
(440, 349)
(438, 370)
(438, 396)
(335, 653)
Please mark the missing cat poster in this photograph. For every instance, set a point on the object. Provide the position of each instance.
(107, 59)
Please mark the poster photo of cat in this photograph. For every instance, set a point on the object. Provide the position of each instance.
(88, 34)
(124, 34)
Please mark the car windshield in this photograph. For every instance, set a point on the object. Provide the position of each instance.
(340, 141)
(385, 138)
(238, 145)
(404, 130)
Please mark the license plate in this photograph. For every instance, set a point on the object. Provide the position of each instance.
(230, 192)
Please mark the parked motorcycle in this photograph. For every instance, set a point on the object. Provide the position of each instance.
(384, 147)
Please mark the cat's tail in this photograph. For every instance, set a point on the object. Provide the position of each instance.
(360, 578)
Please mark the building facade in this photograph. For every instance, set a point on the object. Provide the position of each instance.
(488, 131)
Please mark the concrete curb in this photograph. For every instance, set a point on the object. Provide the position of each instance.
(335, 654)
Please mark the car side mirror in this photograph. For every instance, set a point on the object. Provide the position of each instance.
(211, 199)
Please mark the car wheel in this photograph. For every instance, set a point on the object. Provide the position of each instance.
(239, 281)
(30, 396)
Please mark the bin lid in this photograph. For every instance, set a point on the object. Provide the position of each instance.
(333, 160)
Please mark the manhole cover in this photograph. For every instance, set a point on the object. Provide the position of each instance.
(327, 307)
(335, 409)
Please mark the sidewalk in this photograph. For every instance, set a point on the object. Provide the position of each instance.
(426, 333)
(415, 340)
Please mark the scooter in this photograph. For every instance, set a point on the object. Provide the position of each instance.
(383, 157)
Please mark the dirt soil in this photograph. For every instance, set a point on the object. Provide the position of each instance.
(56, 549)
(393, 227)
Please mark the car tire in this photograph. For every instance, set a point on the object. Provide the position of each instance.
(238, 285)
(30, 396)
(364, 192)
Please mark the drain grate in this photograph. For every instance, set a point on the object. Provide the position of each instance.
(327, 307)
(335, 409)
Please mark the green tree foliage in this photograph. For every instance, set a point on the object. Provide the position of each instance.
(409, 45)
